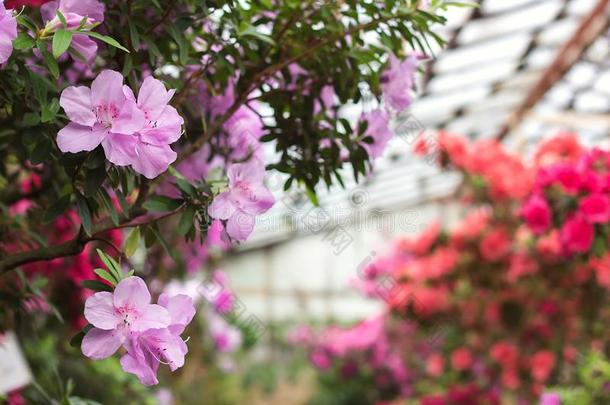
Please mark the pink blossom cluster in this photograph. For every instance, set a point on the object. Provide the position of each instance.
(149, 333)
(133, 132)
(493, 305)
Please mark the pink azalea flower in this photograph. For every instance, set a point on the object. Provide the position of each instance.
(379, 129)
(97, 114)
(537, 214)
(8, 32)
(74, 11)
(132, 132)
(148, 152)
(115, 316)
(461, 359)
(577, 235)
(595, 208)
(147, 349)
(397, 81)
(246, 198)
(227, 338)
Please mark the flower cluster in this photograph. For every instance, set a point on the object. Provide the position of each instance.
(150, 333)
(492, 306)
(133, 132)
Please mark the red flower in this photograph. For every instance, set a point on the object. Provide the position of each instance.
(595, 208)
(577, 235)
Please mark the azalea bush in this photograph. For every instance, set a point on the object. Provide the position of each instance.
(509, 305)
(136, 137)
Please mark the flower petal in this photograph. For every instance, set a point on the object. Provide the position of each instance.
(129, 120)
(151, 316)
(120, 149)
(99, 311)
(153, 98)
(152, 160)
(100, 344)
(221, 207)
(77, 138)
(107, 88)
(166, 129)
(84, 46)
(131, 292)
(240, 225)
(76, 102)
(252, 171)
(181, 311)
(146, 374)
(93, 9)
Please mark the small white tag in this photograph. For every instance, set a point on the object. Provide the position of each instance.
(14, 371)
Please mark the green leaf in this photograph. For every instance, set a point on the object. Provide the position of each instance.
(61, 42)
(49, 111)
(114, 216)
(23, 42)
(96, 285)
(52, 65)
(111, 264)
(161, 203)
(61, 18)
(56, 209)
(104, 38)
(78, 338)
(162, 242)
(132, 242)
(84, 213)
(186, 220)
(134, 35)
(106, 276)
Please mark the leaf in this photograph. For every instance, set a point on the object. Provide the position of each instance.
(106, 276)
(111, 264)
(61, 18)
(23, 42)
(52, 65)
(186, 220)
(134, 35)
(49, 111)
(84, 213)
(161, 203)
(104, 38)
(114, 216)
(132, 242)
(42, 151)
(56, 209)
(61, 42)
(96, 285)
(162, 242)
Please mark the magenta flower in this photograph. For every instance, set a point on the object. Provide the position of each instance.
(550, 398)
(227, 338)
(397, 81)
(595, 208)
(117, 316)
(577, 235)
(146, 350)
(537, 214)
(148, 152)
(74, 11)
(97, 114)
(8, 32)
(378, 128)
(246, 198)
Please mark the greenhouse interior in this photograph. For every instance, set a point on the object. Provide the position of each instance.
(323, 202)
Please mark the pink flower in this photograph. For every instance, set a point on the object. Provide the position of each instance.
(577, 235)
(550, 398)
(397, 81)
(97, 114)
(537, 214)
(246, 198)
(435, 365)
(595, 208)
(227, 338)
(115, 316)
(147, 349)
(542, 364)
(461, 359)
(601, 266)
(8, 32)
(568, 178)
(148, 151)
(495, 245)
(74, 11)
(378, 128)
(136, 133)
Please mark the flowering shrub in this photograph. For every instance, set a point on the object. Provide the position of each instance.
(152, 117)
(501, 305)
